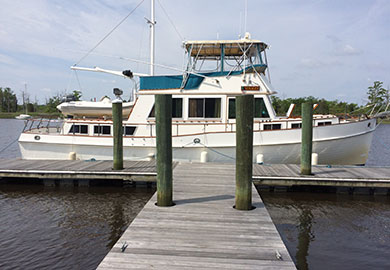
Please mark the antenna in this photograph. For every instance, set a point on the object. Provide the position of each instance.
(152, 23)
(245, 14)
(240, 28)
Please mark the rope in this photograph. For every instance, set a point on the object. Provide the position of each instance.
(109, 33)
(5, 148)
(78, 80)
(169, 19)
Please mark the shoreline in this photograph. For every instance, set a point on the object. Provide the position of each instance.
(5, 115)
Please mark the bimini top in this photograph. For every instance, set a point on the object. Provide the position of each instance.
(227, 48)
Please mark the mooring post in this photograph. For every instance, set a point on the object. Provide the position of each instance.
(244, 151)
(163, 113)
(118, 134)
(307, 137)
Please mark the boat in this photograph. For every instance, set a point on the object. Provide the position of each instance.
(92, 109)
(203, 116)
(23, 117)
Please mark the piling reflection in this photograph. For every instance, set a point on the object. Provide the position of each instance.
(118, 223)
(305, 236)
(330, 230)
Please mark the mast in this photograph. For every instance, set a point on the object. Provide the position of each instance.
(152, 24)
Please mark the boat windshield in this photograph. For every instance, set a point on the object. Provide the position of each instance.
(226, 55)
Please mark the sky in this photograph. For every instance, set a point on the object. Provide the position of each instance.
(332, 49)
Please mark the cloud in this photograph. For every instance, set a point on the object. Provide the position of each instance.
(311, 42)
(314, 63)
(4, 59)
(47, 90)
(349, 50)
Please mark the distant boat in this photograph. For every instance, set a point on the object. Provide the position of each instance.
(102, 108)
(23, 117)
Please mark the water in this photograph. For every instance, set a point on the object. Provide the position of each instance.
(10, 130)
(47, 228)
(336, 231)
(52, 228)
(333, 231)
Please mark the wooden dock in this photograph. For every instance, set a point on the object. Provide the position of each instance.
(145, 171)
(336, 176)
(77, 169)
(202, 231)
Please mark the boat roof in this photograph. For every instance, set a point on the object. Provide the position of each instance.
(213, 48)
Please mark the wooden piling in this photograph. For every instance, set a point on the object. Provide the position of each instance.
(307, 137)
(244, 151)
(117, 134)
(163, 109)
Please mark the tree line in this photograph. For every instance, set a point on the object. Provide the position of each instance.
(9, 102)
(378, 100)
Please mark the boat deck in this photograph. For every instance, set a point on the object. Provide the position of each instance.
(202, 231)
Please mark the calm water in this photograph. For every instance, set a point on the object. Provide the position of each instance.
(52, 228)
(336, 231)
(47, 228)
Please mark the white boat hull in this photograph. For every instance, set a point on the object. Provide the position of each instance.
(336, 144)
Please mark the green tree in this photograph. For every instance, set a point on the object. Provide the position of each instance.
(52, 103)
(77, 94)
(377, 94)
(8, 100)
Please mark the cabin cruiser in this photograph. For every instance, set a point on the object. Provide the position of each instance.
(203, 116)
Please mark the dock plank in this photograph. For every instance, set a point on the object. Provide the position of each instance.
(203, 230)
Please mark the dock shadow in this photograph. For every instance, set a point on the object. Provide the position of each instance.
(204, 199)
(329, 172)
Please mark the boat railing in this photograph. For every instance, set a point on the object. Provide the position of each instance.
(43, 125)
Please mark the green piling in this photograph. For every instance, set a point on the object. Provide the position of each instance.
(244, 151)
(118, 134)
(163, 109)
(307, 137)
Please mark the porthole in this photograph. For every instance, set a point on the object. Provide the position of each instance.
(37, 138)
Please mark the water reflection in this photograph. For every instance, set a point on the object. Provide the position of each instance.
(333, 231)
(305, 236)
(55, 228)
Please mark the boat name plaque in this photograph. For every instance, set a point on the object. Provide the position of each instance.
(250, 88)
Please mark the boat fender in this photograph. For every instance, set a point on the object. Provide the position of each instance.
(196, 140)
(259, 158)
(203, 157)
(151, 156)
(314, 158)
(72, 155)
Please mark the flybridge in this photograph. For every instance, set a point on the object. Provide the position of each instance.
(225, 57)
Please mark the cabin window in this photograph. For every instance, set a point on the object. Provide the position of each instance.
(272, 126)
(326, 123)
(177, 108)
(232, 108)
(78, 129)
(259, 110)
(128, 130)
(204, 108)
(104, 130)
(296, 125)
